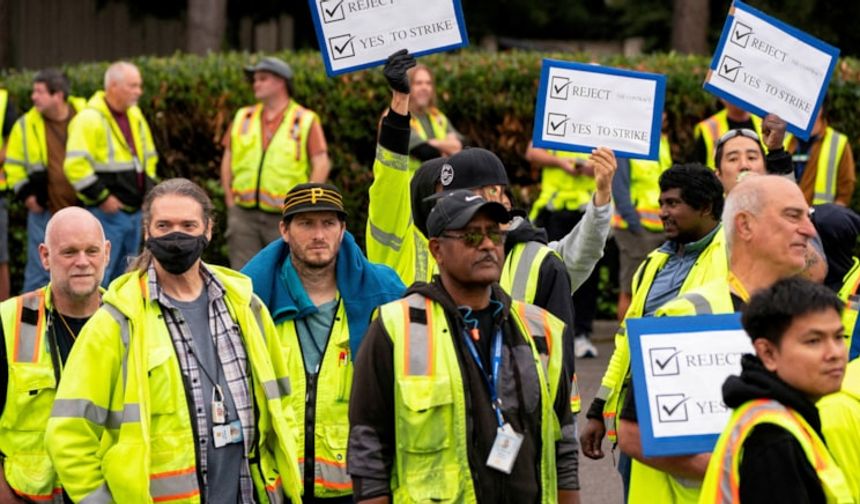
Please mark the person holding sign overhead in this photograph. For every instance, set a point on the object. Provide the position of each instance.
(433, 135)
(773, 449)
(767, 231)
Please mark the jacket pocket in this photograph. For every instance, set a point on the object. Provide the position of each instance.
(34, 390)
(426, 418)
(161, 369)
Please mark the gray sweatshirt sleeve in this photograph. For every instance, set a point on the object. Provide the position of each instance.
(583, 246)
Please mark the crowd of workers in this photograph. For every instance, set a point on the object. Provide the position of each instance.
(437, 366)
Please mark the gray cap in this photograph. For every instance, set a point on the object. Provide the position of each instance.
(272, 65)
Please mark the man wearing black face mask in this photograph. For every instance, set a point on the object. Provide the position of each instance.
(183, 360)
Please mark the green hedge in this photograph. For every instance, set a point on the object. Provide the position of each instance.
(190, 101)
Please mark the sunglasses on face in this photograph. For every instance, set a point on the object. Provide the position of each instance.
(474, 237)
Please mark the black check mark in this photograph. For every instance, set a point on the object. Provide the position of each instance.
(340, 49)
(331, 12)
(727, 70)
(662, 365)
(740, 36)
(554, 126)
(674, 408)
(559, 89)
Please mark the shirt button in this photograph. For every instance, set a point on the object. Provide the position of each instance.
(199, 410)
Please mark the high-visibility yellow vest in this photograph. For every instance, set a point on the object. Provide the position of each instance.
(560, 190)
(29, 397)
(261, 179)
(520, 278)
(431, 459)
(331, 405)
(712, 128)
(4, 101)
(840, 423)
(439, 125)
(827, 170)
(848, 293)
(96, 149)
(27, 149)
(645, 189)
(122, 430)
(711, 265)
(722, 480)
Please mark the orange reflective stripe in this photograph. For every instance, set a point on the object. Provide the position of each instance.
(56, 495)
(174, 485)
(333, 485)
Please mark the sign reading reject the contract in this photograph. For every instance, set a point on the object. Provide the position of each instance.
(679, 365)
(580, 107)
(356, 34)
(766, 66)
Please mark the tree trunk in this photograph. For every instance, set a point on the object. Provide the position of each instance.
(5, 34)
(690, 26)
(207, 23)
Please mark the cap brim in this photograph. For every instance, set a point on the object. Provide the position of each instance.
(315, 209)
(493, 210)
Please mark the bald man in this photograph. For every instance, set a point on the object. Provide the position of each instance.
(39, 329)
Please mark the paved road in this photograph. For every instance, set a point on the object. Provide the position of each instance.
(600, 481)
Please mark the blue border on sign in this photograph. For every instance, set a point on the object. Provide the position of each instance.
(326, 56)
(540, 107)
(794, 32)
(636, 328)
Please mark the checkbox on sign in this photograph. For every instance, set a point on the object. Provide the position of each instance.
(332, 10)
(558, 88)
(341, 47)
(671, 408)
(741, 35)
(664, 361)
(729, 68)
(556, 124)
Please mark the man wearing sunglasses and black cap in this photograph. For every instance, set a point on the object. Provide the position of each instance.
(459, 392)
(271, 147)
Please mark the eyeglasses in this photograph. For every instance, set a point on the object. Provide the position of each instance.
(744, 132)
(474, 237)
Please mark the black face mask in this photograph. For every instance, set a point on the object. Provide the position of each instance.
(177, 251)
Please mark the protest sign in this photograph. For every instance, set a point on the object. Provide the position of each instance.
(356, 34)
(580, 107)
(679, 365)
(766, 66)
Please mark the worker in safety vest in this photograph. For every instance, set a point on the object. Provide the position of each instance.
(707, 131)
(740, 151)
(447, 376)
(432, 134)
(772, 449)
(111, 161)
(840, 423)
(270, 148)
(177, 389)
(39, 330)
(767, 232)
(8, 114)
(34, 162)
(321, 291)
(824, 164)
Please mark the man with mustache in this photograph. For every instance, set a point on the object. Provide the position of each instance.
(39, 330)
(459, 393)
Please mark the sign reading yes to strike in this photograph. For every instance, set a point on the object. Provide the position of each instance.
(580, 107)
(766, 66)
(679, 365)
(356, 34)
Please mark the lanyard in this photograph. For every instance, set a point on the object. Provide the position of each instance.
(493, 379)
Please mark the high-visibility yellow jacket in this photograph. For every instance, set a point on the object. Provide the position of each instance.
(722, 480)
(645, 189)
(438, 123)
(711, 265)
(849, 293)
(431, 461)
(261, 179)
(122, 430)
(4, 101)
(712, 128)
(29, 396)
(27, 149)
(99, 161)
(560, 190)
(833, 145)
(329, 424)
(840, 423)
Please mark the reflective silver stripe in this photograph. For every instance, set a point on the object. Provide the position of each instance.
(271, 389)
(330, 473)
(80, 154)
(100, 495)
(28, 334)
(172, 485)
(85, 182)
(603, 392)
(417, 340)
(109, 135)
(700, 304)
(80, 408)
(257, 309)
(386, 239)
(284, 386)
(384, 157)
(144, 152)
(275, 494)
(535, 319)
(523, 269)
(16, 162)
(830, 182)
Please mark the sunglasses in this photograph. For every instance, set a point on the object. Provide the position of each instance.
(474, 237)
(744, 132)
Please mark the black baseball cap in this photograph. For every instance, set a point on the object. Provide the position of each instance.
(273, 65)
(455, 209)
(313, 197)
(470, 168)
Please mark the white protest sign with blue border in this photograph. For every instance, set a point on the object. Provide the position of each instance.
(357, 34)
(766, 66)
(679, 365)
(580, 107)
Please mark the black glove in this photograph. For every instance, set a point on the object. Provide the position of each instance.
(395, 70)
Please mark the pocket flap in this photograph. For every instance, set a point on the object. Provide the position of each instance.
(420, 393)
(29, 378)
